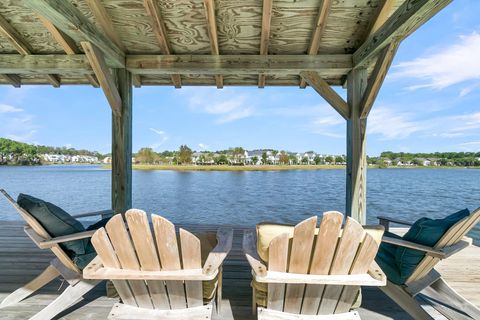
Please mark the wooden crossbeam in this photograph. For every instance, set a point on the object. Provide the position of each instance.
(384, 9)
(324, 65)
(161, 33)
(318, 32)
(12, 79)
(406, 19)
(137, 80)
(324, 89)
(212, 33)
(67, 18)
(107, 82)
(377, 77)
(265, 35)
(68, 45)
(23, 48)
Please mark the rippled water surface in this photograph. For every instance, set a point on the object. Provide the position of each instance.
(249, 197)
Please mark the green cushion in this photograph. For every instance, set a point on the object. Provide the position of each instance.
(386, 260)
(56, 222)
(83, 259)
(427, 232)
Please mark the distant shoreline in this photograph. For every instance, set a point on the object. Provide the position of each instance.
(153, 167)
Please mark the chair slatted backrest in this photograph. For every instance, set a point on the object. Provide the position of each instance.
(336, 251)
(137, 248)
(42, 233)
(451, 237)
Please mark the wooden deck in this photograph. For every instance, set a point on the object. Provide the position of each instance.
(20, 261)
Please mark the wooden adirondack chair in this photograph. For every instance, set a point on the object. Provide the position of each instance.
(425, 295)
(157, 284)
(315, 279)
(61, 266)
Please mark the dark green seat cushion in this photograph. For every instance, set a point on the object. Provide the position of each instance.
(386, 259)
(427, 232)
(57, 223)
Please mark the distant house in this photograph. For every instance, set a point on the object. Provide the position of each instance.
(108, 160)
(422, 161)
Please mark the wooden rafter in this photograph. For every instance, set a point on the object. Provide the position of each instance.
(102, 17)
(265, 36)
(376, 79)
(107, 81)
(136, 80)
(12, 79)
(324, 89)
(384, 10)
(212, 33)
(161, 34)
(22, 47)
(325, 65)
(406, 19)
(318, 32)
(67, 18)
(68, 45)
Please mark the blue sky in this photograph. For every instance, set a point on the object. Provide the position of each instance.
(430, 101)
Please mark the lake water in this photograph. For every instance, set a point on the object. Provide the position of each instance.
(249, 197)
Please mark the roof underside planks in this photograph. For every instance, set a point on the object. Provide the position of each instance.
(239, 28)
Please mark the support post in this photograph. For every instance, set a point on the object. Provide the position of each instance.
(356, 147)
(122, 146)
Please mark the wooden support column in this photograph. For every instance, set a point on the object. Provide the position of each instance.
(122, 146)
(356, 147)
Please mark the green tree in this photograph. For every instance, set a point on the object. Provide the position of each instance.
(238, 154)
(222, 159)
(283, 158)
(146, 155)
(255, 159)
(293, 159)
(338, 159)
(184, 155)
(329, 159)
(264, 157)
(317, 159)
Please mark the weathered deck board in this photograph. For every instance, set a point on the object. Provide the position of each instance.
(20, 261)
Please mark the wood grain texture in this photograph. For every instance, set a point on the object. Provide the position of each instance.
(102, 17)
(191, 259)
(278, 261)
(356, 147)
(12, 79)
(212, 33)
(122, 146)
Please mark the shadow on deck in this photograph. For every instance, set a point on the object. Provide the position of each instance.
(21, 261)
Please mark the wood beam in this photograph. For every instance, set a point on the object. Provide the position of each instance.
(102, 17)
(136, 80)
(161, 33)
(384, 9)
(324, 89)
(122, 146)
(212, 34)
(318, 32)
(68, 45)
(104, 76)
(54, 80)
(356, 185)
(12, 79)
(325, 65)
(265, 35)
(377, 77)
(14, 37)
(405, 20)
(67, 18)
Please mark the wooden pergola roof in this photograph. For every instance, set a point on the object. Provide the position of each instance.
(114, 44)
(205, 42)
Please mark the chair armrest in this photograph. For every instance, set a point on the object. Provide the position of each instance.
(385, 221)
(412, 245)
(454, 248)
(103, 213)
(219, 253)
(250, 249)
(45, 243)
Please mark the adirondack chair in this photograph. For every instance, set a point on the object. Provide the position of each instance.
(159, 284)
(425, 294)
(61, 266)
(315, 279)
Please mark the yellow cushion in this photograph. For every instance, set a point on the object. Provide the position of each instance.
(266, 232)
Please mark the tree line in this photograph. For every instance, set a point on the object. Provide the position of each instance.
(464, 159)
(19, 153)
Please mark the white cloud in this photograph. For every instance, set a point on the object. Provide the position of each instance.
(391, 124)
(5, 108)
(473, 146)
(163, 138)
(454, 64)
(203, 146)
(227, 106)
